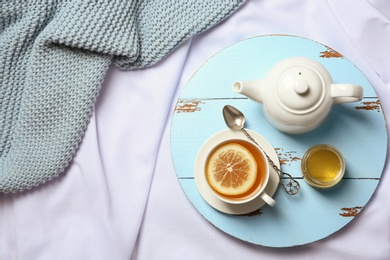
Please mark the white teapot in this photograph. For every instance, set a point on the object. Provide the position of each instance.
(297, 94)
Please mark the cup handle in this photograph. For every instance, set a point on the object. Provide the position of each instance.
(344, 93)
(270, 201)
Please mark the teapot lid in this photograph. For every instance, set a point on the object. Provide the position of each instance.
(300, 86)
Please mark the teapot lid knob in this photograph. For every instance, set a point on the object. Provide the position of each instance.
(301, 86)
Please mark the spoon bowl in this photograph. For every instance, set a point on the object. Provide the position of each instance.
(234, 118)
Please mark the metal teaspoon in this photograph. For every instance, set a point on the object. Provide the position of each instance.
(235, 120)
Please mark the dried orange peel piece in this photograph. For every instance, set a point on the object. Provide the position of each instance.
(231, 169)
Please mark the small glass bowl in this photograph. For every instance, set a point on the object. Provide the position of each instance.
(323, 166)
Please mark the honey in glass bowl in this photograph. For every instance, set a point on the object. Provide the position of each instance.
(323, 166)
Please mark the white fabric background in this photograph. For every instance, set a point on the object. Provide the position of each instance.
(120, 198)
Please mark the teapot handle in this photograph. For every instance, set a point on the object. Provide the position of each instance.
(344, 93)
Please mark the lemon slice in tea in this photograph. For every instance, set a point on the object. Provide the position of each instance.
(231, 169)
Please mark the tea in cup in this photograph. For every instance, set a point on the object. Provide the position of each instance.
(237, 172)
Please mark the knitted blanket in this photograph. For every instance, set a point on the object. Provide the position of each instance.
(53, 58)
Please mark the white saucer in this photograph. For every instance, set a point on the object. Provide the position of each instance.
(200, 178)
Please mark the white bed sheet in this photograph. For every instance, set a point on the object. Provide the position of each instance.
(120, 198)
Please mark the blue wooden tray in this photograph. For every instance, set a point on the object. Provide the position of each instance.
(358, 130)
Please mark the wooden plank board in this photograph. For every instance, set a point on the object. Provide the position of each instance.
(357, 129)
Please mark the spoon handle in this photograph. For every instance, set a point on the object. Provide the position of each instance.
(292, 187)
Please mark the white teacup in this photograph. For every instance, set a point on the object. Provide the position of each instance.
(262, 177)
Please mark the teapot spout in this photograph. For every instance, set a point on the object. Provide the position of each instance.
(251, 89)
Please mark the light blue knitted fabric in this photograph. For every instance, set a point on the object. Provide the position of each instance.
(53, 58)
